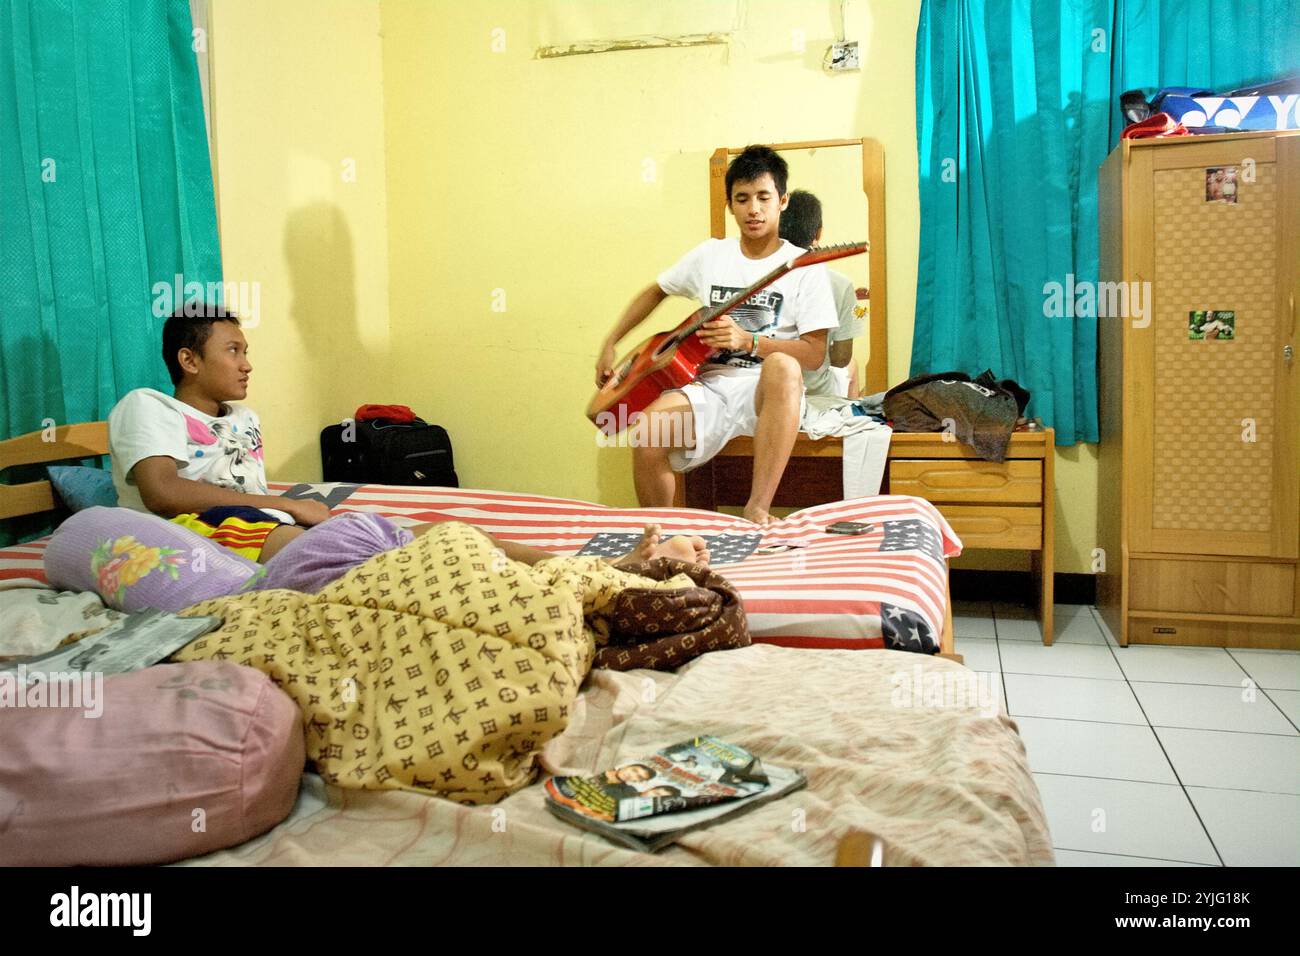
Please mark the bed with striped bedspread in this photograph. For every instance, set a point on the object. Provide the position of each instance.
(885, 588)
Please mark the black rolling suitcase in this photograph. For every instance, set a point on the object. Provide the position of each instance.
(388, 454)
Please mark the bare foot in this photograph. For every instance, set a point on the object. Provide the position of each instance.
(685, 548)
(758, 515)
(682, 547)
(645, 548)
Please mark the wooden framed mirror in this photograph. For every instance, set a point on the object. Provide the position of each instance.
(848, 176)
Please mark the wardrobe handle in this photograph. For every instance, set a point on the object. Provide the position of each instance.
(1288, 354)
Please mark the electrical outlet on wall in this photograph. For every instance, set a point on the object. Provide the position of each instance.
(843, 56)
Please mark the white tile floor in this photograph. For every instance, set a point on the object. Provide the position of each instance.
(1148, 755)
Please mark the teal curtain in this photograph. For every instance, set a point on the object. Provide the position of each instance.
(1017, 106)
(105, 191)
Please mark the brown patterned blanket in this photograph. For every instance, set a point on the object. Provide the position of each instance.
(442, 666)
(664, 626)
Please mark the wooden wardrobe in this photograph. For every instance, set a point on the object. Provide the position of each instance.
(1199, 463)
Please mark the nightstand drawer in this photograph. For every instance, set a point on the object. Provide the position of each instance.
(992, 526)
(956, 479)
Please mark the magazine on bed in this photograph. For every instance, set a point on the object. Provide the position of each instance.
(130, 643)
(649, 802)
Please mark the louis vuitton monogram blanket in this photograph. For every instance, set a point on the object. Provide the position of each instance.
(664, 628)
(440, 666)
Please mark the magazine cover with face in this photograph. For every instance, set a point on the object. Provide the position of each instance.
(650, 801)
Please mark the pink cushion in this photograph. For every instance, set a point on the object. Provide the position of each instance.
(184, 759)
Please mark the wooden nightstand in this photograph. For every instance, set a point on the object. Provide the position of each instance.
(1004, 505)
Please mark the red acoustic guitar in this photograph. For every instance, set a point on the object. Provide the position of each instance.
(669, 360)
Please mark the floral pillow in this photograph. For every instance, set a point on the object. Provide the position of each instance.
(119, 563)
(135, 561)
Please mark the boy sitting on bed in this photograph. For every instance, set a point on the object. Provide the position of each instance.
(195, 458)
(754, 384)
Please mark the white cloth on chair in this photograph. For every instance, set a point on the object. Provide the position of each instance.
(866, 441)
(865, 453)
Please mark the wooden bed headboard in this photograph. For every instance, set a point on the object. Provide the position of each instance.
(873, 185)
(84, 440)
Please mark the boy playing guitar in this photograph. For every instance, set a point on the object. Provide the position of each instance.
(754, 385)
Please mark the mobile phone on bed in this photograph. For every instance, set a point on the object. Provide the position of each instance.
(849, 527)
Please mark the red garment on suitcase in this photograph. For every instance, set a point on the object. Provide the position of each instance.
(398, 414)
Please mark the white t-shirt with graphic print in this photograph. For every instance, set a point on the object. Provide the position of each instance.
(797, 303)
(223, 450)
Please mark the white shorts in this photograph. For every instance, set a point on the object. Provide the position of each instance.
(722, 403)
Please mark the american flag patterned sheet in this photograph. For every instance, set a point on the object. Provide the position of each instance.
(885, 588)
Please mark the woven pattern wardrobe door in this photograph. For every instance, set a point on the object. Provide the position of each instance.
(1212, 405)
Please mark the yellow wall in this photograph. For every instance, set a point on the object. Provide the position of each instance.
(526, 175)
(554, 188)
(297, 93)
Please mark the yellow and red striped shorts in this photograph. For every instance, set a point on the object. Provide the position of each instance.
(242, 530)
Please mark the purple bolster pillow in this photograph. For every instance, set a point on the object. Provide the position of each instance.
(134, 561)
